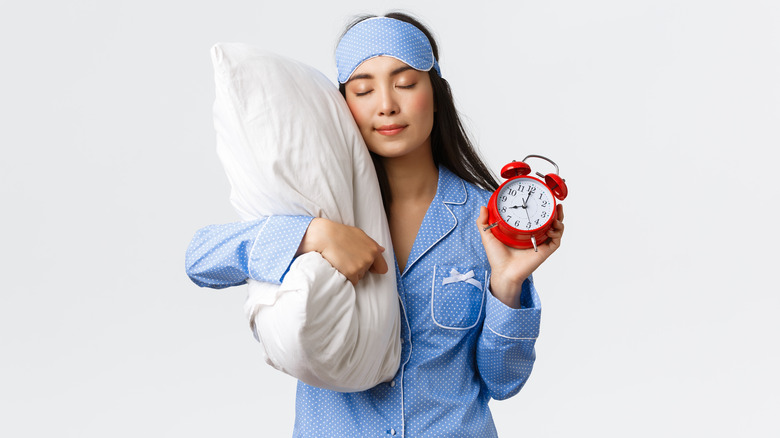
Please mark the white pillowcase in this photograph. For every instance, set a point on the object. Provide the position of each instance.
(289, 146)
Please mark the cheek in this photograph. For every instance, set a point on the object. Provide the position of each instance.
(359, 114)
(422, 103)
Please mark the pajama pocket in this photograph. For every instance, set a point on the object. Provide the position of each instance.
(457, 296)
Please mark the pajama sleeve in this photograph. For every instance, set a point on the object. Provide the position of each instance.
(505, 349)
(225, 255)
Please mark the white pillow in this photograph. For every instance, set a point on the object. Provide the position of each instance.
(289, 146)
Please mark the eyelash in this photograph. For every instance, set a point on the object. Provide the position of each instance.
(405, 87)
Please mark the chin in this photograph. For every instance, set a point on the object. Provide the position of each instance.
(387, 152)
(393, 149)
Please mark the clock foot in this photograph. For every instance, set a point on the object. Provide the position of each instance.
(533, 240)
(490, 226)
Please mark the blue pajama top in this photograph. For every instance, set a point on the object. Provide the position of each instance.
(461, 347)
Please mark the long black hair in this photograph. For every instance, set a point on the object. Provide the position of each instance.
(450, 143)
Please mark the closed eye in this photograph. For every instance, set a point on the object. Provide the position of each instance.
(363, 93)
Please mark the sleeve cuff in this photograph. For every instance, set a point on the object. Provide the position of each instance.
(510, 323)
(275, 246)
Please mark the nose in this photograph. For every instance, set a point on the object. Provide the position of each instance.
(388, 106)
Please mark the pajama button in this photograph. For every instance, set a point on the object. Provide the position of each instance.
(392, 431)
(392, 384)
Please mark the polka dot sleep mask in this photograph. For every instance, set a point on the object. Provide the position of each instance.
(383, 36)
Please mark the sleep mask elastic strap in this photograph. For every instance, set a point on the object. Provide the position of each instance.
(383, 36)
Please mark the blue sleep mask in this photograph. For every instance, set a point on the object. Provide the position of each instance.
(383, 36)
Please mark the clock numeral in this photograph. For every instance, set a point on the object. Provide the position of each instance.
(531, 190)
(544, 214)
(540, 195)
(513, 192)
(528, 225)
(503, 199)
(521, 187)
(544, 203)
(503, 209)
(517, 224)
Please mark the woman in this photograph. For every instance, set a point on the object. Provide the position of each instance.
(470, 312)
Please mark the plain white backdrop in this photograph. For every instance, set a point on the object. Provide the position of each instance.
(660, 310)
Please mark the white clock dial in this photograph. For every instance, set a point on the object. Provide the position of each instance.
(525, 204)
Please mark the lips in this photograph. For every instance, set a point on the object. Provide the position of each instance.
(390, 129)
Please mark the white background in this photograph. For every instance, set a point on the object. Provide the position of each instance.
(660, 311)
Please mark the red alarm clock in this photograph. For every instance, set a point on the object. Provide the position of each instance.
(523, 208)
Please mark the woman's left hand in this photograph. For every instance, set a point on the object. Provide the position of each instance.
(511, 266)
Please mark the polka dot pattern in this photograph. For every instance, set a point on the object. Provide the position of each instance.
(275, 246)
(380, 36)
(459, 304)
(461, 347)
(226, 255)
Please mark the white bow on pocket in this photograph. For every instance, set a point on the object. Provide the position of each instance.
(456, 276)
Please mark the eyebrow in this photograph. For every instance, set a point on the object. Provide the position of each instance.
(370, 76)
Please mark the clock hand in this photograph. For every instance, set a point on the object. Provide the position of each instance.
(533, 238)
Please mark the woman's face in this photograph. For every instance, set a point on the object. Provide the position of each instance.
(392, 104)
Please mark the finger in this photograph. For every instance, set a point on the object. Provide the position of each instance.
(560, 212)
(554, 236)
(490, 242)
(557, 226)
(379, 266)
(551, 246)
(555, 232)
(482, 218)
(482, 224)
(482, 221)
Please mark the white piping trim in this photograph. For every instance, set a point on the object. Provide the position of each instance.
(403, 366)
(509, 337)
(465, 193)
(406, 269)
(466, 197)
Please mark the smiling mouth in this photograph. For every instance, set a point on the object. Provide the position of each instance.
(390, 129)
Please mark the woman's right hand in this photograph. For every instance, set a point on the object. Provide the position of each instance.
(349, 249)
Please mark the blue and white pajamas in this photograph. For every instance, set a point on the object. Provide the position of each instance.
(461, 347)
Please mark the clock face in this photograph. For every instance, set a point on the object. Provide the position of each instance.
(525, 204)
